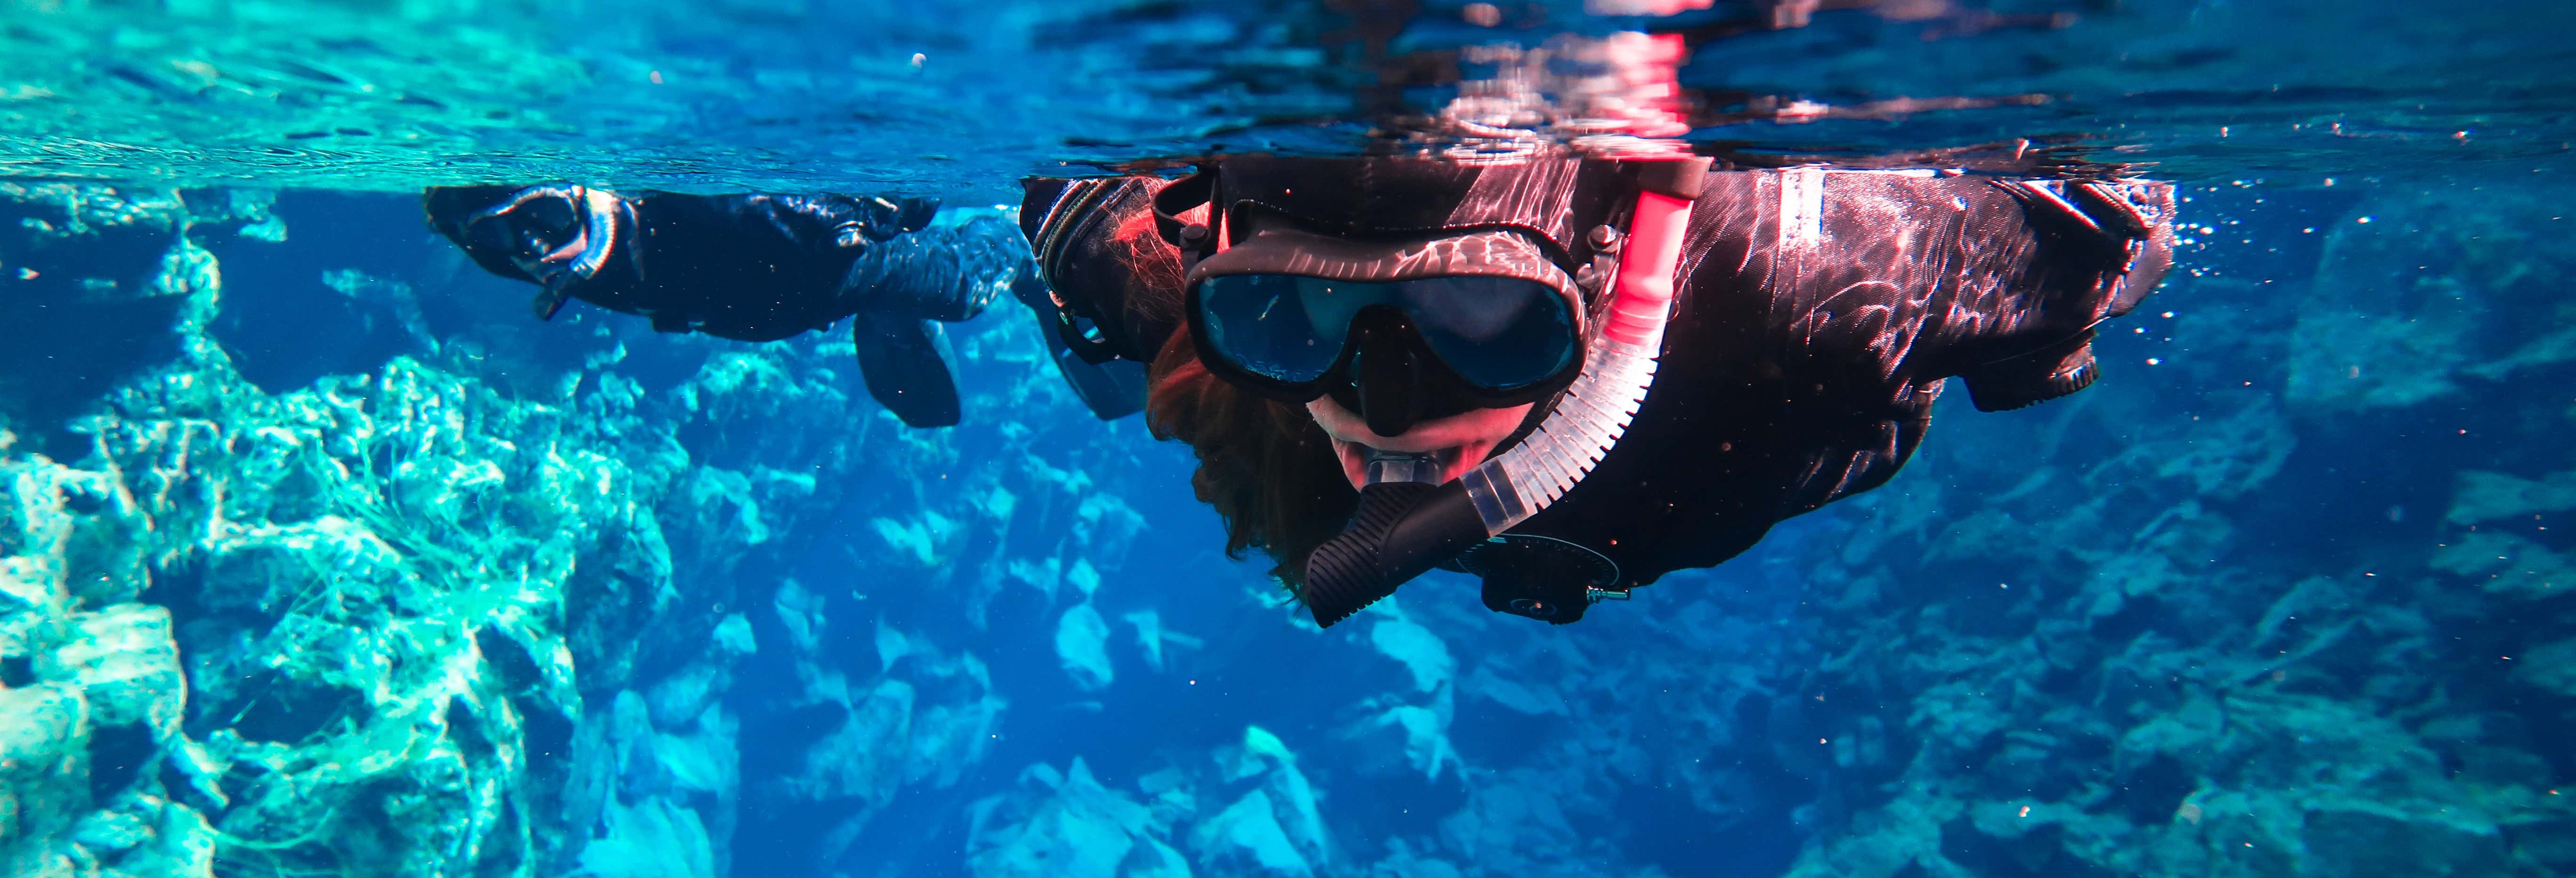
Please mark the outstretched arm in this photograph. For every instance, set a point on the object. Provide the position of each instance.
(751, 267)
(1830, 305)
(902, 289)
(1896, 278)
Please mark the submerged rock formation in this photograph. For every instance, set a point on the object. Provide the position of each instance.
(415, 621)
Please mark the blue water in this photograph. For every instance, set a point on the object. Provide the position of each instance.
(2285, 594)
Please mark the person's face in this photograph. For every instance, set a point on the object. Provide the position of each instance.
(1440, 353)
(539, 234)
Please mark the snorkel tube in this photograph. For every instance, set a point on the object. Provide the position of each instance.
(1403, 527)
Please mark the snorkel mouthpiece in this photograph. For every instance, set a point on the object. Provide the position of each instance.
(1407, 523)
(1402, 530)
(1401, 466)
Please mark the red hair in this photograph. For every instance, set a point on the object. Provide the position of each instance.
(1265, 465)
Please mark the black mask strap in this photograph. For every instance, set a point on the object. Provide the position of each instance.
(1195, 240)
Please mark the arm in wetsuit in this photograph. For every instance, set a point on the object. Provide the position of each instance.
(754, 268)
(1828, 307)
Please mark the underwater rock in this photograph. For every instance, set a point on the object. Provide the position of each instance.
(123, 662)
(733, 635)
(1276, 827)
(2500, 561)
(2551, 666)
(1067, 824)
(1420, 734)
(2418, 300)
(1248, 811)
(364, 601)
(1406, 641)
(44, 731)
(1512, 824)
(653, 839)
(1149, 635)
(91, 692)
(1247, 836)
(2377, 840)
(1082, 642)
(925, 721)
(800, 612)
(479, 609)
(2506, 564)
(1515, 695)
(678, 700)
(854, 762)
(1403, 862)
(671, 807)
(2490, 496)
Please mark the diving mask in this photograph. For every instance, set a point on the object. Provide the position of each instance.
(555, 234)
(1421, 327)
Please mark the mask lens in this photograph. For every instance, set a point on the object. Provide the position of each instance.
(550, 216)
(1273, 325)
(1499, 333)
(494, 235)
(542, 224)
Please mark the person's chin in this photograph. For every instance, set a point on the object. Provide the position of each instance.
(1459, 442)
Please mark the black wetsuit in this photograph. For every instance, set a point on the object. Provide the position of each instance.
(1819, 313)
(1795, 374)
(767, 267)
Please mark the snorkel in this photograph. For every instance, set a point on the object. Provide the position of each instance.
(1404, 527)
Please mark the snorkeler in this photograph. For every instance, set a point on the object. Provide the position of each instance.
(1570, 375)
(767, 267)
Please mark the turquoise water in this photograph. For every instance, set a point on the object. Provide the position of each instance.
(322, 557)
